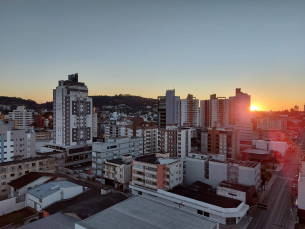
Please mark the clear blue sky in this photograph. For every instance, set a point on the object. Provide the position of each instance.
(145, 47)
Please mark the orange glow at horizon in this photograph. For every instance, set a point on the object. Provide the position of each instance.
(253, 108)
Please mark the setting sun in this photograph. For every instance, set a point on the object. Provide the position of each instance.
(254, 108)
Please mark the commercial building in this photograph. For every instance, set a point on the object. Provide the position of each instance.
(157, 171)
(168, 109)
(113, 149)
(117, 172)
(24, 118)
(272, 135)
(141, 212)
(70, 155)
(221, 141)
(246, 194)
(16, 144)
(197, 198)
(212, 172)
(49, 193)
(72, 113)
(280, 147)
(189, 111)
(12, 170)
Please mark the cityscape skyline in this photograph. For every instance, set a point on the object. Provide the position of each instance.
(144, 48)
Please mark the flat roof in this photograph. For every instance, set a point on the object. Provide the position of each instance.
(10, 218)
(152, 159)
(250, 164)
(257, 151)
(47, 189)
(205, 196)
(24, 160)
(58, 220)
(86, 204)
(141, 212)
(235, 186)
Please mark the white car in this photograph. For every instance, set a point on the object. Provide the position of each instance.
(86, 169)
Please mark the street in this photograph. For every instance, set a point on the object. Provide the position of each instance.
(279, 199)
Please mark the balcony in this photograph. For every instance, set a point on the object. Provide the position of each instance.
(141, 183)
(167, 172)
(151, 186)
(138, 175)
(137, 169)
(151, 172)
(167, 179)
(151, 179)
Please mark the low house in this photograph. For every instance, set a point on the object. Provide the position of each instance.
(49, 193)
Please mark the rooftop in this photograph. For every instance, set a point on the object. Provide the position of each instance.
(251, 164)
(257, 151)
(235, 186)
(141, 212)
(58, 220)
(24, 160)
(29, 178)
(152, 159)
(8, 219)
(86, 204)
(201, 193)
(47, 189)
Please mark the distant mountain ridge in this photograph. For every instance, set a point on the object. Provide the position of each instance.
(98, 101)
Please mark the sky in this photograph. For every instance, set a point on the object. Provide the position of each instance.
(142, 47)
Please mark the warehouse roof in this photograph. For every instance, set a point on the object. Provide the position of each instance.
(141, 212)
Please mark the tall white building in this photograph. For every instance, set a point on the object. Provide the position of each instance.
(72, 113)
(24, 118)
(189, 111)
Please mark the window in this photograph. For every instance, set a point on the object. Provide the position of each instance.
(199, 212)
(231, 220)
(3, 170)
(140, 193)
(26, 166)
(12, 168)
(3, 183)
(206, 214)
(41, 163)
(26, 172)
(40, 169)
(12, 174)
(3, 176)
(4, 190)
(33, 164)
(33, 170)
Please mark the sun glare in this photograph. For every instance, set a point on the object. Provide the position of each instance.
(254, 108)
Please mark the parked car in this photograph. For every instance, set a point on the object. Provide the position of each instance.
(81, 171)
(86, 169)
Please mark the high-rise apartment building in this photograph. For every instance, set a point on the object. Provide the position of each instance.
(72, 113)
(214, 112)
(24, 118)
(221, 141)
(16, 144)
(239, 114)
(168, 109)
(189, 111)
(149, 132)
(175, 141)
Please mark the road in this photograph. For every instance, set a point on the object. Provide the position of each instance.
(279, 198)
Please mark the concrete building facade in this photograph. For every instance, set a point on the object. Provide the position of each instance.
(113, 149)
(189, 111)
(72, 113)
(157, 171)
(24, 118)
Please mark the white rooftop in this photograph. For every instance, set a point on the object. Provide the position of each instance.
(166, 161)
(141, 212)
(47, 189)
